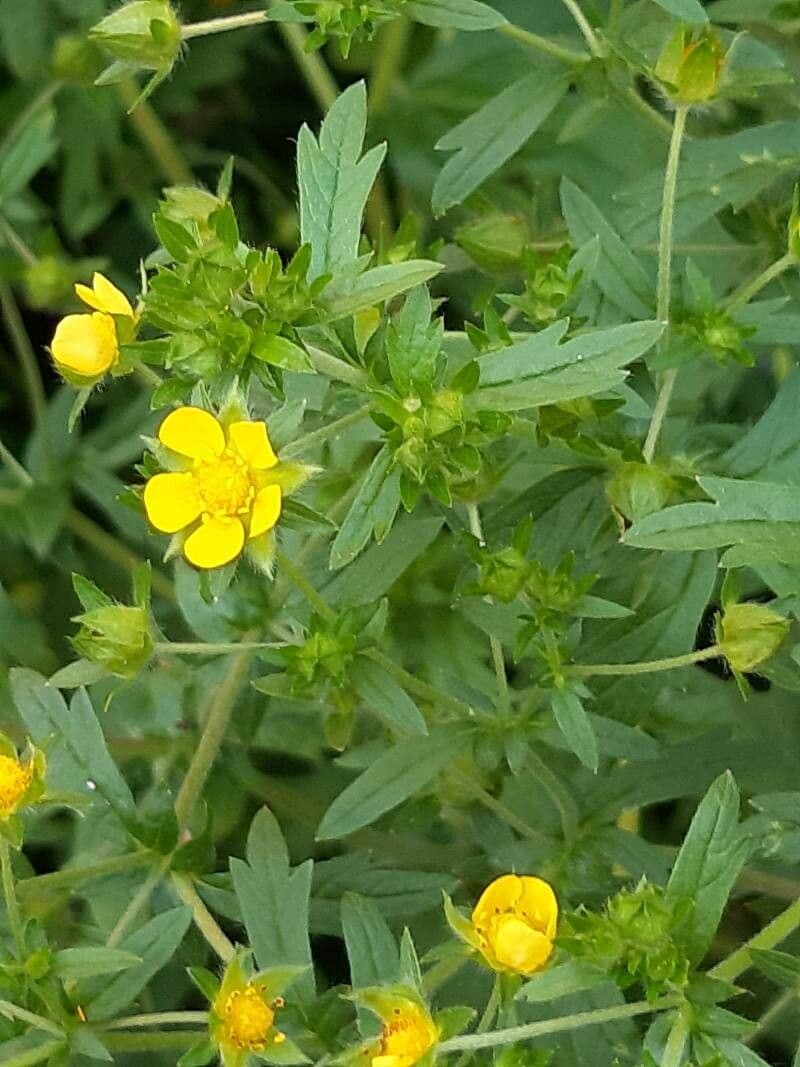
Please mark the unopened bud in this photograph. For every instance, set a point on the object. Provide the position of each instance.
(749, 634)
(638, 489)
(144, 34)
(690, 66)
(116, 637)
(495, 242)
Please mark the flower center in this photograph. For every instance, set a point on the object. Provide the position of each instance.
(248, 1019)
(225, 485)
(14, 780)
(409, 1037)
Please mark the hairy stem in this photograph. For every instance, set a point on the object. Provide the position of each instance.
(154, 135)
(772, 934)
(159, 1018)
(324, 433)
(542, 44)
(12, 904)
(584, 26)
(750, 288)
(587, 670)
(664, 286)
(486, 1020)
(137, 902)
(203, 919)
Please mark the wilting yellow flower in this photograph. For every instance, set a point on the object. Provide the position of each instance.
(223, 495)
(512, 925)
(85, 346)
(406, 1037)
(15, 780)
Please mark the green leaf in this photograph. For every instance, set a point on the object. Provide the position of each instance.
(760, 520)
(347, 295)
(770, 451)
(155, 943)
(81, 672)
(690, 11)
(618, 274)
(708, 864)
(72, 963)
(77, 731)
(561, 981)
(406, 768)
(484, 141)
(413, 343)
(24, 35)
(33, 145)
(274, 901)
(779, 967)
(334, 182)
(539, 370)
(281, 352)
(359, 522)
(371, 947)
(455, 14)
(388, 700)
(576, 726)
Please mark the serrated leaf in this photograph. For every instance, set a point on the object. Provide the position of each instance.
(371, 947)
(484, 141)
(406, 768)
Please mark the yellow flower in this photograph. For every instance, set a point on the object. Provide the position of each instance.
(248, 1020)
(85, 346)
(515, 923)
(407, 1035)
(15, 781)
(222, 482)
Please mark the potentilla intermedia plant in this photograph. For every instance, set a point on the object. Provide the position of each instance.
(400, 511)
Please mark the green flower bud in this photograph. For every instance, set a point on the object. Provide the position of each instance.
(144, 34)
(116, 637)
(749, 634)
(503, 574)
(495, 242)
(690, 66)
(445, 411)
(638, 489)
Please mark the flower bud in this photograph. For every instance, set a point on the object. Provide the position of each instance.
(690, 66)
(503, 574)
(749, 634)
(116, 637)
(495, 242)
(638, 489)
(144, 34)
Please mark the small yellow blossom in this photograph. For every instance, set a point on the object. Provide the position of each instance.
(248, 1021)
(515, 921)
(85, 346)
(407, 1035)
(15, 780)
(222, 495)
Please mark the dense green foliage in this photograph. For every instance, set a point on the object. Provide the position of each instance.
(514, 288)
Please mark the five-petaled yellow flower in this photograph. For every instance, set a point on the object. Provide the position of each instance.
(15, 780)
(21, 785)
(85, 346)
(221, 493)
(513, 925)
(407, 1036)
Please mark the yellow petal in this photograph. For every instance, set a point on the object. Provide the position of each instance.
(251, 441)
(538, 905)
(216, 542)
(85, 344)
(266, 510)
(519, 947)
(192, 432)
(104, 296)
(172, 501)
(501, 895)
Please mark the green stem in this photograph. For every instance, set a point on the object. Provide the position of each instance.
(498, 659)
(25, 353)
(35, 1055)
(304, 586)
(15, 467)
(12, 904)
(155, 1041)
(776, 1008)
(583, 25)
(203, 919)
(555, 1026)
(664, 286)
(746, 293)
(497, 806)
(160, 1018)
(67, 879)
(390, 50)
(542, 44)
(588, 670)
(137, 902)
(417, 685)
(38, 1022)
(324, 433)
(772, 934)
(16, 243)
(486, 1020)
(223, 25)
(219, 713)
(200, 648)
(154, 135)
(336, 368)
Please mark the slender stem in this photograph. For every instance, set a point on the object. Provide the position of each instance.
(107, 545)
(310, 64)
(555, 1026)
(588, 670)
(37, 1021)
(219, 712)
(222, 25)
(12, 904)
(35, 1055)
(676, 1042)
(631, 97)
(498, 659)
(542, 44)
(25, 353)
(137, 902)
(200, 648)
(497, 806)
(772, 934)
(154, 135)
(390, 51)
(747, 291)
(336, 368)
(486, 1020)
(16, 242)
(72, 876)
(776, 1008)
(583, 25)
(664, 286)
(155, 1040)
(14, 466)
(302, 584)
(417, 685)
(160, 1018)
(203, 919)
(333, 429)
